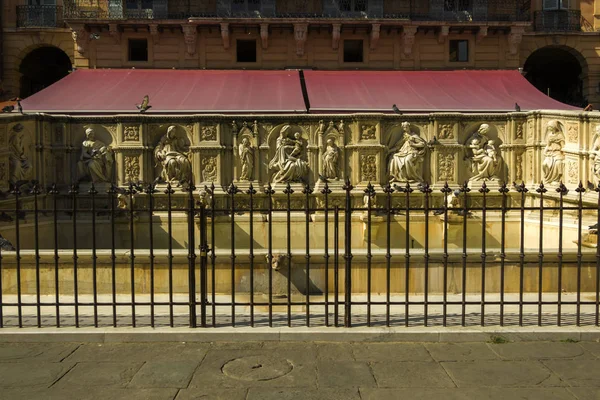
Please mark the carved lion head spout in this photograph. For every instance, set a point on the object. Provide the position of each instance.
(277, 262)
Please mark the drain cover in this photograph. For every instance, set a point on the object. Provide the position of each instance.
(257, 368)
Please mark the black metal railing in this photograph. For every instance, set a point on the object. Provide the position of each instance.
(459, 11)
(558, 21)
(37, 16)
(397, 256)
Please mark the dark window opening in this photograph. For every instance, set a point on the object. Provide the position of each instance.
(353, 5)
(41, 68)
(138, 50)
(246, 51)
(457, 5)
(353, 51)
(245, 6)
(459, 51)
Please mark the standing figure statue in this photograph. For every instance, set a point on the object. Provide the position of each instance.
(96, 161)
(19, 166)
(330, 160)
(483, 155)
(246, 153)
(553, 164)
(406, 162)
(287, 162)
(171, 153)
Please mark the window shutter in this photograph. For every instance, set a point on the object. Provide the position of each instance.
(550, 4)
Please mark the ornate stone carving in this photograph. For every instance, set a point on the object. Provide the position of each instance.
(190, 34)
(553, 164)
(225, 35)
(519, 132)
(483, 154)
(446, 131)
(209, 169)
(368, 132)
(335, 38)
(287, 162)
(595, 153)
(131, 133)
(408, 39)
(331, 158)
(375, 30)
(445, 166)
(246, 154)
(519, 167)
(573, 132)
(3, 172)
(300, 35)
(112, 129)
(530, 130)
(208, 133)
(96, 160)
(573, 172)
(132, 168)
(264, 35)
(407, 156)
(368, 168)
(172, 153)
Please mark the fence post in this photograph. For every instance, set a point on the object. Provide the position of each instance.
(191, 255)
(203, 263)
(348, 255)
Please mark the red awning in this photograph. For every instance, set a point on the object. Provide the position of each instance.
(424, 91)
(171, 91)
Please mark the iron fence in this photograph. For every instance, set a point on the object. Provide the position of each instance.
(299, 256)
(558, 20)
(39, 16)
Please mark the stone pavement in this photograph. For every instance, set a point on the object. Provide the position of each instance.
(300, 370)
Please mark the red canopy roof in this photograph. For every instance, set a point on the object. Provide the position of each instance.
(238, 91)
(179, 91)
(418, 91)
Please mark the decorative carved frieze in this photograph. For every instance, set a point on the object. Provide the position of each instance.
(264, 35)
(190, 35)
(368, 168)
(209, 169)
(335, 36)
(446, 131)
(368, 132)
(375, 31)
(573, 172)
(519, 130)
(208, 133)
(445, 166)
(572, 132)
(530, 130)
(300, 35)
(131, 133)
(132, 168)
(408, 39)
(519, 167)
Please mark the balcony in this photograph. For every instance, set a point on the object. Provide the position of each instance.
(37, 16)
(432, 10)
(557, 21)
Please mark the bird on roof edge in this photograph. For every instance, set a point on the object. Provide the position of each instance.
(396, 109)
(517, 107)
(6, 245)
(145, 104)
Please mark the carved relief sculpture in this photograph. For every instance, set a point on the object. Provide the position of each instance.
(209, 169)
(171, 153)
(132, 168)
(96, 161)
(19, 166)
(406, 162)
(367, 132)
(553, 164)
(287, 162)
(131, 133)
(330, 160)
(446, 131)
(483, 154)
(368, 168)
(445, 166)
(595, 154)
(208, 133)
(246, 153)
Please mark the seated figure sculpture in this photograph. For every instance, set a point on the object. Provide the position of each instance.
(406, 163)
(20, 167)
(483, 155)
(286, 161)
(96, 160)
(171, 154)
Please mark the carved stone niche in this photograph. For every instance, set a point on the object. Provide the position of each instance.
(483, 158)
(245, 153)
(407, 153)
(21, 154)
(94, 158)
(445, 130)
(331, 155)
(595, 155)
(287, 160)
(172, 158)
(209, 168)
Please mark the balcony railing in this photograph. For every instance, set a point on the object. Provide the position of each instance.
(558, 20)
(434, 10)
(36, 16)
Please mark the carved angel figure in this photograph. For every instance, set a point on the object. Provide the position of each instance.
(172, 155)
(287, 162)
(553, 164)
(406, 162)
(96, 161)
(20, 168)
(330, 160)
(246, 153)
(483, 155)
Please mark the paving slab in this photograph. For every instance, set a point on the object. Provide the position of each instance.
(89, 374)
(116, 352)
(576, 372)
(391, 352)
(164, 374)
(285, 394)
(469, 394)
(585, 393)
(344, 374)
(39, 352)
(539, 350)
(210, 374)
(411, 374)
(335, 351)
(31, 374)
(460, 351)
(211, 394)
(592, 347)
(96, 393)
(500, 374)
